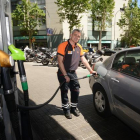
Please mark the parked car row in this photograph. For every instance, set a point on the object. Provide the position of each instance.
(116, 90)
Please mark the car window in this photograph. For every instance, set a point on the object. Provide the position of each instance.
(128, 63)
(131, 64)
(108, 61)
(118, 61)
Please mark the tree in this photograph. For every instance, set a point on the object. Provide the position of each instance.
(70, 10)
(130, 24)
(102, 13)
(29, 16)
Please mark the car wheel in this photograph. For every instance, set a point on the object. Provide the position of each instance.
(100, 102)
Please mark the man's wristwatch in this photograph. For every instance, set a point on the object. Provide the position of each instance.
(65, 75)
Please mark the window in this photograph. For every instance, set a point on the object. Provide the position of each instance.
(118, 61)
(128, 63)
(41, 1)
(15, 22)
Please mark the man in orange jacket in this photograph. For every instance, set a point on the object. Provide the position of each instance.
(69, 54)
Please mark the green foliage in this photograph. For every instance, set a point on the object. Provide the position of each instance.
(130, 24)
(102, 13)
(70, 10)
(29, 16)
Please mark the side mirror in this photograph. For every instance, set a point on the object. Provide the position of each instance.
(102, 71)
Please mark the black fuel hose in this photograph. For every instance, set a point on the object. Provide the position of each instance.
(41, 105)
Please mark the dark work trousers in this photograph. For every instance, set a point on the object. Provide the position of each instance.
(74, 86)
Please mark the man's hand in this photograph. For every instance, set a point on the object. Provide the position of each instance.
(67, 78)
(93, 72)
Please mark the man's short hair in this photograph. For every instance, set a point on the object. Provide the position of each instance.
(77, 30)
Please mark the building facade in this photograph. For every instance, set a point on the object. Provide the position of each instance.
(90, 37)
(60, 31)
(19, 38)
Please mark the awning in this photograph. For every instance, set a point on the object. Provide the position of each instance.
(93, 41)
(26, 37)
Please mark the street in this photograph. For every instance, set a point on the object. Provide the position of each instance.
(49, 122)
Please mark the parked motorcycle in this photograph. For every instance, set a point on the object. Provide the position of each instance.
(92, 57)
(50, 58)
(96, 57)
(40, 54)
(30, 55)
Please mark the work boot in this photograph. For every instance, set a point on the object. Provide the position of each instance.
(67, 114)
(75, 111)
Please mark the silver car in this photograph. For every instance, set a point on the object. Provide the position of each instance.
(117, 88)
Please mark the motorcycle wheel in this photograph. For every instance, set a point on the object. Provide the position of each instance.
(55, 63)
(38, 60)
(45, 62)
(30, 59)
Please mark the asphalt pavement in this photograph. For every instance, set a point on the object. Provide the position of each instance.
(49, 122)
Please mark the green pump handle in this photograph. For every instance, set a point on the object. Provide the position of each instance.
(17, 54)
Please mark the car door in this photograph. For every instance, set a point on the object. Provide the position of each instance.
(124, 84)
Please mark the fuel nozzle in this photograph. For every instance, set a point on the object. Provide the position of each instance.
(17, 54)
(89, 75)
(6, 60)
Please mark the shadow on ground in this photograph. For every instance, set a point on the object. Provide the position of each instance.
(108, 129)
(43, 125)
(46, 128)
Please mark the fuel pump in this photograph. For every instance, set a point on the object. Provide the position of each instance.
(6, 62)
(19, 55)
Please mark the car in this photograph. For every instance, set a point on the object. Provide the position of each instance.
(118, 49)
(116, 88)
(108, 52)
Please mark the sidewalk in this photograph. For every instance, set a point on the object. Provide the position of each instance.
(49, 123)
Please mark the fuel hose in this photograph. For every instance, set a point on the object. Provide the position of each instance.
(25, 116)
(20, 107)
